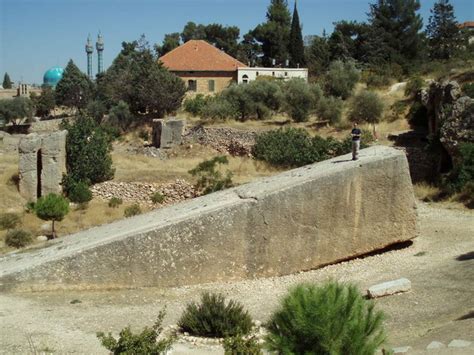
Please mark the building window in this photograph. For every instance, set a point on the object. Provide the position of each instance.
(286, 73)
(192, 85)
(273, 73)
(257, 73)
(211, 84)
(245, 79)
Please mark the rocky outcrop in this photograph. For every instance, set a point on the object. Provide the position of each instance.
(298, 220)
(450, 115)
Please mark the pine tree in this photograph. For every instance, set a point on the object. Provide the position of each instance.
(442, 31)
(296, 45)
(395, 31)
(75, 89)
(275, 33)
(7, 83)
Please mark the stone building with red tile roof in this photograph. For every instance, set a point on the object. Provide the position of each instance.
(204, 68)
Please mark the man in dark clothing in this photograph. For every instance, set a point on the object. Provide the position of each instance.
(355, 133)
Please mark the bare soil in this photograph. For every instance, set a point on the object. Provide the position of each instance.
(440, 265)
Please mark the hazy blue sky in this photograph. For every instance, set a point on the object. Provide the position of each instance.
(38, 34)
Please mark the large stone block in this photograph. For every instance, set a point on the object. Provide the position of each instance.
(167, 133)
(42, 164)
(298, 220)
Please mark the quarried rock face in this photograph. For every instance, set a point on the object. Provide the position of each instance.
(298, 220)
(42, 164)
(167, 133)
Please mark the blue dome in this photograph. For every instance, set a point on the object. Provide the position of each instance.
(52, 76)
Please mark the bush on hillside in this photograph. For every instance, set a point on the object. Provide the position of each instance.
(377, 80)
(157, 197)
(194, 105)
(341, 79)
(298, 99)
(329, 319)
(210, 178)
(218, 108)
(114, 202)
(9, 220)
(414, 86)
(133, 210)
(468, 89)
(214, 317)
(316, 94)
(52, 207)
(18, 238)
(96, 109)
(88, 148)
(463, 172)
(79, 192)
(145, 342)
(330, 108)
(120, 116)
(366, 107)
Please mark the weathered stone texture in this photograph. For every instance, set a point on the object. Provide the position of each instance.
(51, 149)
(298, 220)
(167, 133)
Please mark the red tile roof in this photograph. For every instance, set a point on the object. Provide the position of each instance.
(198, 55)
(467, 24)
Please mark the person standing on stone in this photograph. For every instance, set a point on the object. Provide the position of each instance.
(355, 133)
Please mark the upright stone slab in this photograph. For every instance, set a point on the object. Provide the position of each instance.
(42, 164)
(167, 133)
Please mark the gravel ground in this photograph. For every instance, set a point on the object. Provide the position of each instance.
(440, 265)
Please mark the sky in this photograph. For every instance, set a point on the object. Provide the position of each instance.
(36, 35)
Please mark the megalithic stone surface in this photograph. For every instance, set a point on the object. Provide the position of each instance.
(297, 220)
(389, 288)
(168, 133)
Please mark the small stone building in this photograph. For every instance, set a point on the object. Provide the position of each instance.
(204, 68)
(42, 164)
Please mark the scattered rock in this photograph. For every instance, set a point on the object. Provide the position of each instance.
(41, 238)
(389, 288)
(45, 227)
(225, 140)
(457, 343)
(401, 349)
(435, 345)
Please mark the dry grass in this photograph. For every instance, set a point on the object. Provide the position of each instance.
(426, 192)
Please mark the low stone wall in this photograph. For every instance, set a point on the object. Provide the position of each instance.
(298, 220)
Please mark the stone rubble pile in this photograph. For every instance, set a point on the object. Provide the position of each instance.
(141, 192)
(225, 140)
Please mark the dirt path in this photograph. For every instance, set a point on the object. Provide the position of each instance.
(440, 265)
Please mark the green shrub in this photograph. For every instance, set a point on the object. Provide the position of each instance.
(120, 115)
(329, 319)
(88, 149)
(114, 202)
(414, 86)
(79, 192)
(210, 179)
(18, 238)
(238, 345)
(9, 220)
(463, 172)
(30, 207)
(141, 343)
(377, 80)
(96, 109)
(468, 89)
(330, 108)
(467, 194)
(52, 208)
(341, 79)
(214, 317)
(298, 99)
(218, 108)
(195, 105)
(293, 147)
(143, 134)
(366, 107)
(316, 94)
(158, 197)
(132, 210)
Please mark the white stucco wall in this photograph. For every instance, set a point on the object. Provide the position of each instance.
(282, 73)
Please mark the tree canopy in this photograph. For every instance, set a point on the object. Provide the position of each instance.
(75, 89)
(7, 83)
(296, 45)
(444, 37)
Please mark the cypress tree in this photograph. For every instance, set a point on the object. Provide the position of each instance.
(296, 45)
(442, 31)
(75, 89)
(7, 83)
